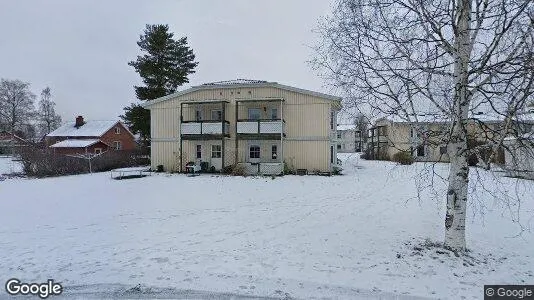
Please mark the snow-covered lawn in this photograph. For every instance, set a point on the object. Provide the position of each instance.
(353, 236)
(8, 166)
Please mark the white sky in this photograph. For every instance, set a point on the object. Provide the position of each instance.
(81, 48)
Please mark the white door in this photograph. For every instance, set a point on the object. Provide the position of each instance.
(216, 156)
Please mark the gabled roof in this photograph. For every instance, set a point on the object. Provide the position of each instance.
(240, 83)
(88, 129)
(75, 143)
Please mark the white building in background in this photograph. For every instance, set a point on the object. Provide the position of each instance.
(519, 156)
(349, 139)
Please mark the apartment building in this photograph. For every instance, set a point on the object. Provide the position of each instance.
(257, 124)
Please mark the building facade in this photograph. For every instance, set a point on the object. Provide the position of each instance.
(349, 139)
(90, 137)
(261, 126)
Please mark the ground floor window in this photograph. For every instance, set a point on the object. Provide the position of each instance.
(254, 151)
(98, 150)
(331, 154)
(338, 147)
(199, 151)
(216, 151)
(274, 152)
(421, 150)
(443, 150)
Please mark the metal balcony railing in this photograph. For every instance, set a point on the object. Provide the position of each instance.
(265, 126)
(207, 127)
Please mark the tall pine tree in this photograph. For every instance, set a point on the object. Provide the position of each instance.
(164, 66)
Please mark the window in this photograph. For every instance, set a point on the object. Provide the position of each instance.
(98, 150)
(274, 113)
(274, 152)
(216, 151)
(338, 147)
(117, 145)
(254, 152)
(254, 113)
(421, 150)
(117, 130)
(339, 135)
(198, 115)
(332, 120)
(199, 151)
(216, 115)
(443, 150)
(332, 154)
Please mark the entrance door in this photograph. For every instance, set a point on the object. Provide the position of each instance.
(216, 156)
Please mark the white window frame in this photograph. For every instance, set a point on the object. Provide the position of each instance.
(274, 113)
(216, 152)
(98, 151)
(117, 130)
(117, 145)
(250, 152)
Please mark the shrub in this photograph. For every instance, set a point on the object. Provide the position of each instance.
(239, 170)
(43, 162)
(403, 158)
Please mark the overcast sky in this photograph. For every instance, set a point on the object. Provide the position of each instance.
(81, 48)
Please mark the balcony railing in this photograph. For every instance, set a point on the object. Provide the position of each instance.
(208, 127)
(269, 126)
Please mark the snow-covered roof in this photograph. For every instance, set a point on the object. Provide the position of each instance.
(346, 127)
(237, 81)
(240, 83)
(74, 143)
(90, 128)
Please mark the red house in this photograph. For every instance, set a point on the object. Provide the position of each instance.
(10, 142)
(90, 137)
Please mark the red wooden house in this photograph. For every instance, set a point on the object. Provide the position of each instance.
(90, 137)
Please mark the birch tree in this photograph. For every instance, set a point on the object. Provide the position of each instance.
(447, 57)
(16, 103)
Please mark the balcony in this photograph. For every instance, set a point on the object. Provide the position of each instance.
(261, 128)
(208, 129)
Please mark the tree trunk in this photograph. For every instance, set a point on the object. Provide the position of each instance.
(459, 170)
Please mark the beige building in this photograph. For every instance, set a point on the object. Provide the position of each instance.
(349, 138)
(258, 125)
(425, 136)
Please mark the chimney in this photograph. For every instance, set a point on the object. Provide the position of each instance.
(79, 121)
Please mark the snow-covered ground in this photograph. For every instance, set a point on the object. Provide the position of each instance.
(8, 166)
(356, 236)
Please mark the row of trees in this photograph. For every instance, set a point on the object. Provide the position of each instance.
(18, 113)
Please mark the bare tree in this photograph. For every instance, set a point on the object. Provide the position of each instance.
(446, 57)
(48, 118)
(16, 103)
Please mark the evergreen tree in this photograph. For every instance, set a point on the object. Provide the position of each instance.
(163, 67)
(48, 118)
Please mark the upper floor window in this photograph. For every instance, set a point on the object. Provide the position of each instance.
(332, 116)
(216, 115)
(274, 113)
(117, 130)
(117, 145)
(254, 113)
(339, 135)
(198, 115)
